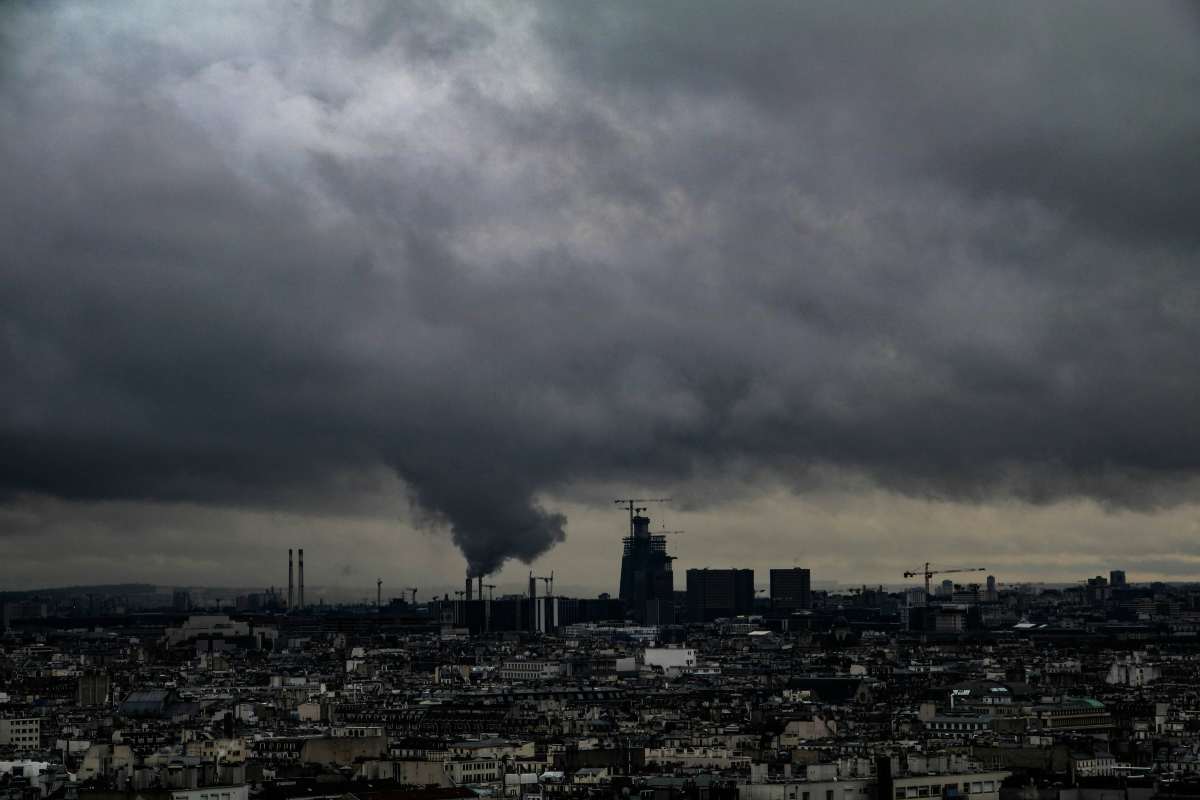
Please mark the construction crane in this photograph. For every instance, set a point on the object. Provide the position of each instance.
(929, 573)
(379, 592)
(549, 581)
(491, 590)
(632, 504)
(413, 589)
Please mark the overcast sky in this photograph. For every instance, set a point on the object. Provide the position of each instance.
(422, 287)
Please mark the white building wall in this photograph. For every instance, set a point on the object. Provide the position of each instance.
(21, 732)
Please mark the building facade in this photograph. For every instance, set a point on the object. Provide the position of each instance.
(714, 593)
(791, 588)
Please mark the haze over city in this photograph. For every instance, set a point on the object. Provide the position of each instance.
(424, 287)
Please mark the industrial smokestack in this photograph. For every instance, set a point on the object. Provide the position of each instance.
(469, 585)
(291, 584)
(301, 597)
(480, 587)
(533, 609)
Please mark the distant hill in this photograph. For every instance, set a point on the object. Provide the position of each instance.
(107, 589)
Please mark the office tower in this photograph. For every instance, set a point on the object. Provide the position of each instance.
(992, 593)
(791, 588)
(713, 593)
(947, 589)
(1116, 578)
(647, 582)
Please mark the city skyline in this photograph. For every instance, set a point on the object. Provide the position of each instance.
(345, 580)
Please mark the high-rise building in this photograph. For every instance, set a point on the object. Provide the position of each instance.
(947, 588)
(1098, 591)
(1116, 578)
(647, 581)
(993, 594)
(791, 588)
(713, 593)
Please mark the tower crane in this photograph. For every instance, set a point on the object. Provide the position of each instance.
(549, 581)
(632, 504)
(413, 589)
(929, 573)
(491, 590)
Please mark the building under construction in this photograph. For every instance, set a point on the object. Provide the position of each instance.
(647, 582)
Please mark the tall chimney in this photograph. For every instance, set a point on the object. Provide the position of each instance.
(480, 587)
(291, 584)
(532, 586)
(301, 597)
(470, 584)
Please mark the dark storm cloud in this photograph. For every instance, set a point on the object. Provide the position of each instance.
(501, 251)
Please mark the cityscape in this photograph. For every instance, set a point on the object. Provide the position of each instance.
(604, 400)
(959, 686)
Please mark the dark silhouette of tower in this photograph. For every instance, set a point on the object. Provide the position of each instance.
(716, 593)
(647, 582)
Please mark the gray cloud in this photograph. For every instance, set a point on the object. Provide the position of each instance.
(504, 251)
